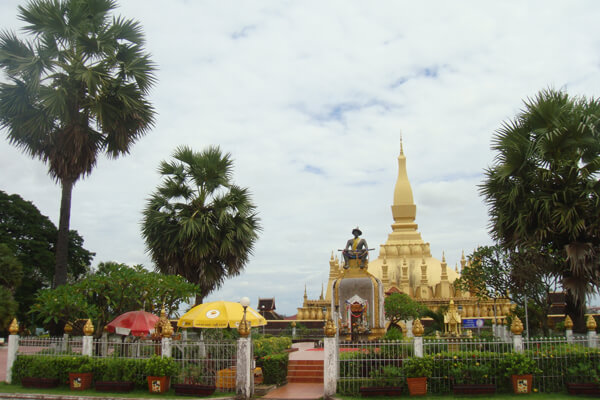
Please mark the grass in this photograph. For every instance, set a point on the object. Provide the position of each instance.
(63, 390)
(502, 396)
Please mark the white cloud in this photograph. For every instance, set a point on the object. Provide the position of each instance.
(310, 98)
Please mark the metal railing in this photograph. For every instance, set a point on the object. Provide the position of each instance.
(55, 346)
(210, 363)
(125, 347)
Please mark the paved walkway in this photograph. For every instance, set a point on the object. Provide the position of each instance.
(300, 391)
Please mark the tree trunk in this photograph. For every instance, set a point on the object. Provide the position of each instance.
(199, 299)
(576, 310)
(62, 241)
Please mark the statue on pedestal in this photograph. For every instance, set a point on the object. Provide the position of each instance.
(356, 249)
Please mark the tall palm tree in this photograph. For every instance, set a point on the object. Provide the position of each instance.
(198, 224)
(76, 89)
(543, 190)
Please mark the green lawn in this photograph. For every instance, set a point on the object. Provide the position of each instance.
(6, 388)
(503, 396)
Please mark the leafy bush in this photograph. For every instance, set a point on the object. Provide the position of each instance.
(470, 373)
(393, 334)
(416, 367)
(518, 364)
(274, 368)
(582, 372)
(80, 364)
(271, 345)
(388, 376)
(161, 366)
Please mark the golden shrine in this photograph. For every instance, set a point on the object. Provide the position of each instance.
(405, 265)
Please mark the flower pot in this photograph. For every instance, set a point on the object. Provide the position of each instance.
(368, 391)
(113, 386)
(192, 389)
(474, 388)
(522, 383)
(417, 386)
(158, 384)
(40, 383)
(80, 380)
(583, 388)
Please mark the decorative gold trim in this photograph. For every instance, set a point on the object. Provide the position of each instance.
(14, 327)
(417, 328)
(329, 327)
(68, 328)
(517, 326)
(88, 328)
(590, 323)
(568, 322)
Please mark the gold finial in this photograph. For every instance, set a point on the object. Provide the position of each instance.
(293, 324)
(418, 329)
(401, 147)
(329, 327)
(305, 295)
(244, 328)
(443, 256)
(68, 328)
(331, 255)
(590, 323)
(517, 326)
(88, 328)
(167, 330)
(568, 322)
(13, 329)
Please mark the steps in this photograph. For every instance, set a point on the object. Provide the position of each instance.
(305, 371)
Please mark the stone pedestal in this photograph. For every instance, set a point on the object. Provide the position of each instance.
(518, 343)
(330, 366)
(166, 347)
(11, 356)
(418, 343)
(86, 346)
(244, 375)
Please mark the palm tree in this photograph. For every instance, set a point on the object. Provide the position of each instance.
(197, 223)
(76, 89)
(543, 190)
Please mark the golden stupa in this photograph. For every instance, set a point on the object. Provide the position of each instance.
(405, 265)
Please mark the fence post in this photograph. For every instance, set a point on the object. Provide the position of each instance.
(87, 340)
(67, 331)
(104, 346)
(244, 382)
(569, 329)
(418, 330)
(330, 363)
(13, 346)
(517, 328)
(591, 335)
(166, 341)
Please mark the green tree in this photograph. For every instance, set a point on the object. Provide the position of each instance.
(31, 237)
(526, 275)
(11, 273)
(110, 291)
(198, 224)
(400, 307)
(76, 89)
(543, 191)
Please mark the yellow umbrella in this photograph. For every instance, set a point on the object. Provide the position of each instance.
(219, 314)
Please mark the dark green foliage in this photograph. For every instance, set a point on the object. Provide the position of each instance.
(388, 375)
(31, 237)
(400, 307)
(271, 345)
(274, 368)
(110, 291)
(542, 190)
(161, 366)
(198, 224)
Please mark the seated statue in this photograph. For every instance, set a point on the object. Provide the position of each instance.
(356, 248)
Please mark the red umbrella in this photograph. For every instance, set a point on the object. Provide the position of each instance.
(136, 323)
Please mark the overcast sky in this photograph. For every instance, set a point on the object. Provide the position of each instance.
(310, 97)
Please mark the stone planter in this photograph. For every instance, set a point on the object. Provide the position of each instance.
(192, 389)
(587, 389)
(158, 384)
(417, 386)
(474, 388)
(80, 380)
(380, 391)
(40, 383)
(114, 386)
(522, 383)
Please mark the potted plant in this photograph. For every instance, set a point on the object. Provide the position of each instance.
(519, 368)
(114, 375)
(159, 371)
(386, 382)
(583, 379)
(193, 381)
(471, 378)
(80, 373)
(417, 369)
(36, 372)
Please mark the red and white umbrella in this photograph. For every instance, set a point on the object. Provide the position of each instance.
(136, 323)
